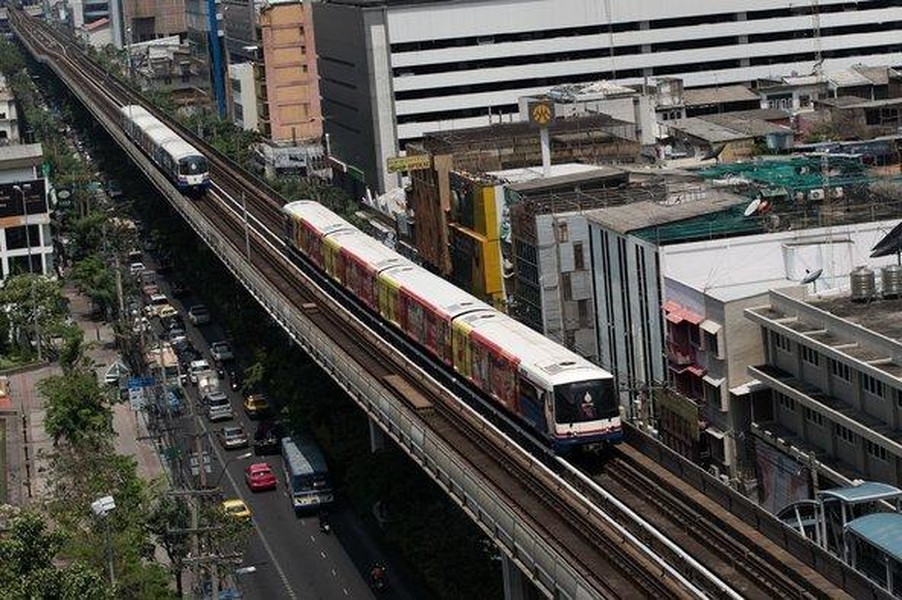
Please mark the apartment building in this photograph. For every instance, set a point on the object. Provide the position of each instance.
(25, 243)
(834, 373)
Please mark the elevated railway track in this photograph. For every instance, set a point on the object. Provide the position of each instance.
(672, 550)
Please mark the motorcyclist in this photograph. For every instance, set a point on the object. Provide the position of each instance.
(324, 522)
(377, 576)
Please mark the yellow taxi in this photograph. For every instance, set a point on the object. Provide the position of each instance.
(256, 406)
(236, 508)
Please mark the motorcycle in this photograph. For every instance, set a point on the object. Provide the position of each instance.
(378, 579)
(324, 525)
(234, 380)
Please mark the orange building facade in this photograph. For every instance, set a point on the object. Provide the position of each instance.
(288, 87)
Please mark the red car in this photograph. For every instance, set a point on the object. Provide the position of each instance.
(259, 477)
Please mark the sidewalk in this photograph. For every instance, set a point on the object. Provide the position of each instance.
(27, 441)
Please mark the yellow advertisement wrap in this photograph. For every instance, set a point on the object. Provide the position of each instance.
(387, 292)
(460, 347)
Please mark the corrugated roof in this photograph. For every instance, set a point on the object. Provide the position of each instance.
(718, 94)
(706, 130)
(641, 215)
(883, 530)
(868, 491)
(748, 126)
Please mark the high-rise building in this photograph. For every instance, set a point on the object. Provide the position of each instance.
(393, 69)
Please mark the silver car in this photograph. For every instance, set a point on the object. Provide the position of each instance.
(232, 437)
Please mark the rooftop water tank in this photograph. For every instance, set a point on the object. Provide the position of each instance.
(892, 281)
(864, 284)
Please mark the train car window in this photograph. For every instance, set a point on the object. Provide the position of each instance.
(583, 401)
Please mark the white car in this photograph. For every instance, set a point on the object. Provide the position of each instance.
(196, 367)
(136, 268)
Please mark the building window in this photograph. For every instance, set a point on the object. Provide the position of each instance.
(840, 370)
(782, 342)
(695, 337)
(872, 386)
(566, 287)
(786, 402)
(579, 262)
(875, 450)
(711, 343)
(810, 356)
(814, 416)
(844, 434)
(562, 233)
(713, 395)
(583, 308)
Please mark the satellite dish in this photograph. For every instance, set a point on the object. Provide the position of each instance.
(812, 276)
(752, 208)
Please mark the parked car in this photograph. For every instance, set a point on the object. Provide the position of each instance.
(167, 311)
(196, 367)
(256, 406)
(155, 303)
(259, 477)
(218, 406)
(176, 334)
(232, 437)
(268, 438)
(173, 322)
(199, 314)
(136, 268)
(221, 351)
(236, 508)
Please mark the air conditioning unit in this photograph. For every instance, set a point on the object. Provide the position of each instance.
(816, 194)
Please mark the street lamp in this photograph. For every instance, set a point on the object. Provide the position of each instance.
(102, 507)
(22, 189)
(227, 463)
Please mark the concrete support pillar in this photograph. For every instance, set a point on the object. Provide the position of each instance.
(377, 439)
(516, 586)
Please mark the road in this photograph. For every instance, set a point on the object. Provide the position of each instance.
(290, 556)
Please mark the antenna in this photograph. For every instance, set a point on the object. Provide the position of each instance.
(812, 277)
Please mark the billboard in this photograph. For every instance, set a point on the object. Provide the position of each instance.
(11, 198)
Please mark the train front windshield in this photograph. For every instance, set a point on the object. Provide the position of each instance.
(585, 401)
(194, 165)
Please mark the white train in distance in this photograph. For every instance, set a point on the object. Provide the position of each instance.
(566, 400)
(182, 163)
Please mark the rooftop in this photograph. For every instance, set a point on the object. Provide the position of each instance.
(717, 95)
(725, 128)
(33, 153)
(882, 530)
(648, 214)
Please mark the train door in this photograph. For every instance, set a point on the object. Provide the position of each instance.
(387, 298)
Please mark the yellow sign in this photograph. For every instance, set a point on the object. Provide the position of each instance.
(541, 113)
(417, 162)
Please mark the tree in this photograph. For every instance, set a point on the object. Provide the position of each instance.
(35, 306)
(167, 523)
(28, 565)
(96, 280)
(75, 406)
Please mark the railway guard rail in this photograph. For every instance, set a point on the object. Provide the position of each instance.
(831, 567)
(536, 559)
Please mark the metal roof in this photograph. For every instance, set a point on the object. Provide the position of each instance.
(716, 95)
(882, 530)
(627, 218)
(868, 491)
